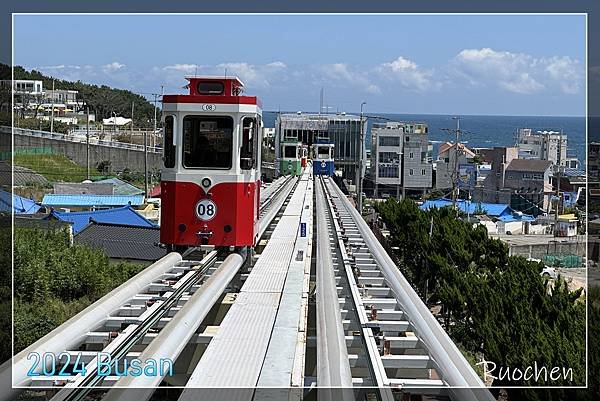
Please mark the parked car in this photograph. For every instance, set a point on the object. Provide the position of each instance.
(548, 272)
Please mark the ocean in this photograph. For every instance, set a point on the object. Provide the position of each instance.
(484, 131)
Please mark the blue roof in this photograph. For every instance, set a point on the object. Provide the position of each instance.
(501, 211)
(20, 205)
(87, 200)
(124, 216)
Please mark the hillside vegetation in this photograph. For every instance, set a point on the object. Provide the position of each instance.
(54, 280)
(102, 100)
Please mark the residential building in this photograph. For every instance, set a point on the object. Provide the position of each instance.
(25, 86)
(498, 158)
(400, 158)
(524, 184)
(545, 145)
(593, 163)
(448, 164)
(61, 96)
(343, 130)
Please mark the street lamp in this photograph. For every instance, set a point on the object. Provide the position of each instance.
(359, 183)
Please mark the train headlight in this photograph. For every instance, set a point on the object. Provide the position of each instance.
(206, 182)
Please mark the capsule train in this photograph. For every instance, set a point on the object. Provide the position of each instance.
(210, 180)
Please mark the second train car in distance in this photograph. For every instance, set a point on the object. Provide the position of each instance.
(290, 163)
(210, 181)
(323, 159)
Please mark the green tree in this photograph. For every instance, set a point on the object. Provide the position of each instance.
(492, 304)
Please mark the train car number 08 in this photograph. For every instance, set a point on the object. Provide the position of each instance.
(206, 209)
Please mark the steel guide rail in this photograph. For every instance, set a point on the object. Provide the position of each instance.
(367, 351)
(407, 347)
(170, 283)
(333, 367)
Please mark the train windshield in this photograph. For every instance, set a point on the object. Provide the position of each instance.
(323, 152)
(207, 142)
(290, 152)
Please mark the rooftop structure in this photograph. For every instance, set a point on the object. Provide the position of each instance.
(121, 187)
(123, 241)
(500, 211)
(17, 205)
(123, 215)
(91, 201)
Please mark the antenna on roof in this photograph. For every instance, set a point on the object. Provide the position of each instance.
(225, 72)
(321, 102)
(196, 72)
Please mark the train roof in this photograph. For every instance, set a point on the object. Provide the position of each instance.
(214, 78)
(213, 89)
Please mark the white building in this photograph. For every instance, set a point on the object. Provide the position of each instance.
(545, 145)
(63, 96)
(26, 87)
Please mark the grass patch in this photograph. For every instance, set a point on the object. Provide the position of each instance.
(53, 167)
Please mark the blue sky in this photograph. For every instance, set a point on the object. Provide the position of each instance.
(430, 64)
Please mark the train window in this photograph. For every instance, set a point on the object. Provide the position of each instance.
(169, 148)
(290, 151)
(210, 88)
(249, 137)
(207, 142)
(323, 152)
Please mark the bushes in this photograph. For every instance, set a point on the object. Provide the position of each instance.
(54, 280)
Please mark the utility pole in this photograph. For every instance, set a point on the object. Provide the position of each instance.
(52, 111)
(455, 169)
(87, 142)
(145, 164)
(360, 160)
(146, 149)
(132, 108)
(558, 176)
(454, 176)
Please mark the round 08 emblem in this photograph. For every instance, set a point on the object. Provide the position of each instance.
(323, 165)
(206, 209)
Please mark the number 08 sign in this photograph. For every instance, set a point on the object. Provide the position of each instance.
(206, 209)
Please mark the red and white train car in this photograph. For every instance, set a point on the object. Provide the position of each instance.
(210, 181)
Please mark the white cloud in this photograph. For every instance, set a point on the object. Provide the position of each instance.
(518, 72)
(186, 68)
(277, 64)
(567, 72)
(255, 75)
(114, 66)
(246, 72)
(408, 74)
(353, 76)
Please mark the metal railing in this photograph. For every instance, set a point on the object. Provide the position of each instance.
(78, 139)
